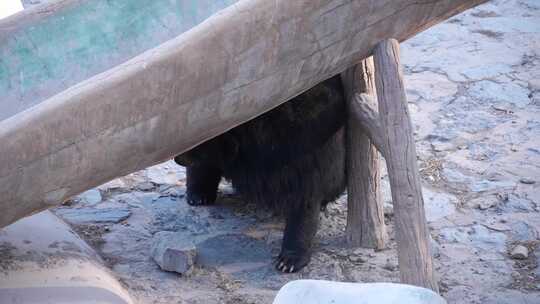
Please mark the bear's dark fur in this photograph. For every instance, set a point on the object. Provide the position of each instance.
(291, 159)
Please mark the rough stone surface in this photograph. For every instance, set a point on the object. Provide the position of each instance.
(438, 205)
(173, 252)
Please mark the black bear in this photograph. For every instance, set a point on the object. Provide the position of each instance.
(291, 159)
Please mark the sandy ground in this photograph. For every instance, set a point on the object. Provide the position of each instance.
(474, 89)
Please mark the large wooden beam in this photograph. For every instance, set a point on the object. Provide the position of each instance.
(243, 61)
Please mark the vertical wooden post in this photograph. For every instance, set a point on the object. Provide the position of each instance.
(415, 261)
(365, 217)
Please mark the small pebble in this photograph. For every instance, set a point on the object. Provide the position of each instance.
(145, 186)
(527, 181)
(484, 205)
(173, 253)
(390, 267)
(357, 259)
(388, 209)
(519, 252)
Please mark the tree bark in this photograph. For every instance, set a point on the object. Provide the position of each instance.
(415, 261)
(365, 216)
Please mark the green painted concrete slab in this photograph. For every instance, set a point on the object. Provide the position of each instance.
(68, 41)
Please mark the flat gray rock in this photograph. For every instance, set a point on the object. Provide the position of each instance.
(88, 215)
(438, 205)
(90, 197)
(232, 249)
(173, 252)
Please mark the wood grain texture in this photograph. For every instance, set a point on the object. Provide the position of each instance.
(415, 260)
(365, 216)
(364, 110)
(238, 64)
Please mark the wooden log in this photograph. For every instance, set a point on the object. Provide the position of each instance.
(365, 216)
(364, 111)
(415, 261)
(239, 63)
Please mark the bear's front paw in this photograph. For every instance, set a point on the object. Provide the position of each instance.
(196, 199)
(290, 261)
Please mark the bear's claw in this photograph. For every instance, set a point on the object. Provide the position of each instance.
(291, 262)
(200, 200)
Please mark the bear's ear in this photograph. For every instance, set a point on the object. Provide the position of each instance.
(183, 160)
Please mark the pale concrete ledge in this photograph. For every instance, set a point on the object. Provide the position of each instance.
(43, 261)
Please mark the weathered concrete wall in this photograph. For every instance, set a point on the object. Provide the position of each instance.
(46, 49)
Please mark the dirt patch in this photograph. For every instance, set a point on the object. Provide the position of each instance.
(526, 275)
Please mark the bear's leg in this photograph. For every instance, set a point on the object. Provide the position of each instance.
(300, 229)
(202, 184)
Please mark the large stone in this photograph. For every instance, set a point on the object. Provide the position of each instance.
(519, 252)
(173, 252)
(327, 292)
